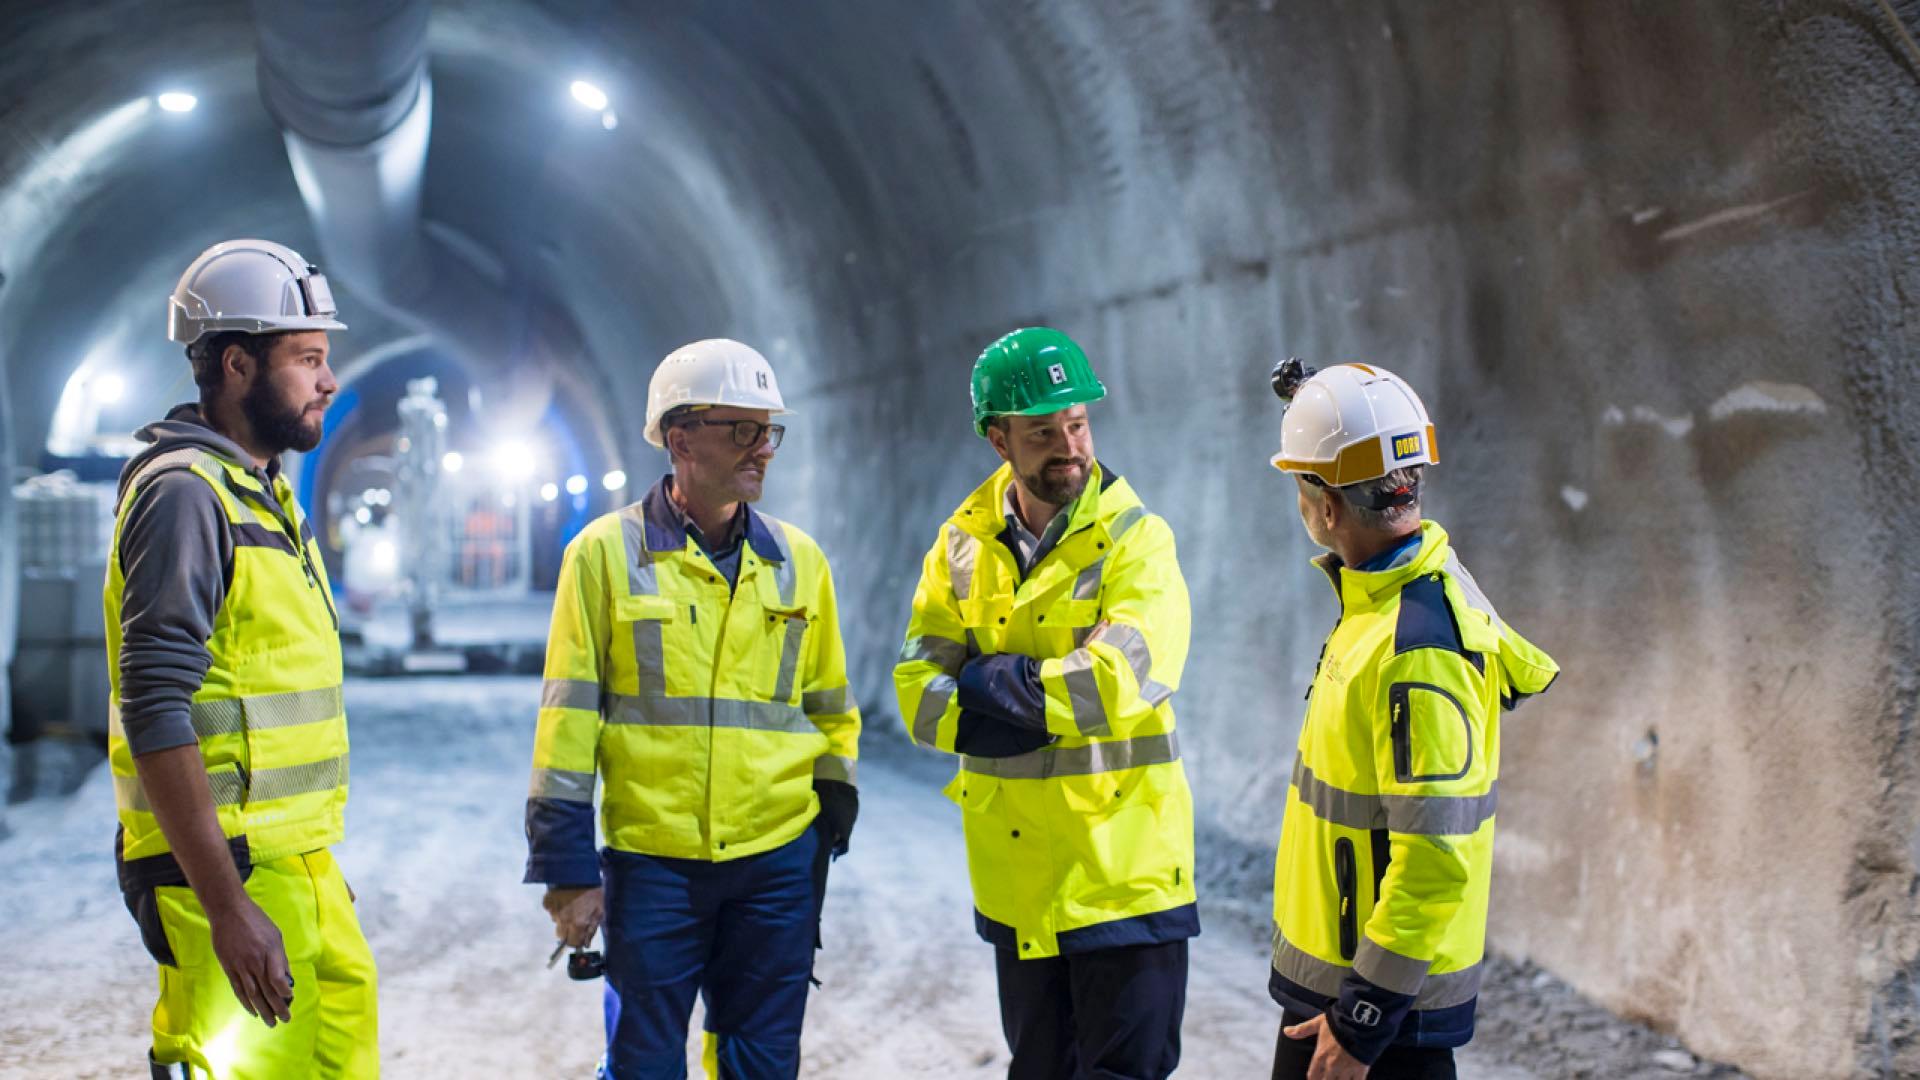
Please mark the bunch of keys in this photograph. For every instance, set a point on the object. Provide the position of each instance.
(582, 964)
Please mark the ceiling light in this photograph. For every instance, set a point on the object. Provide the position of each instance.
(576, 484)
(176, 101)
(614, 480)
(589, 95)
(452, 462)
(549, 492)
(108, 389)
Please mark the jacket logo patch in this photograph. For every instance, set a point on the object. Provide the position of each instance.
(1406, 446)
(1366, 1013)
(1057, 373)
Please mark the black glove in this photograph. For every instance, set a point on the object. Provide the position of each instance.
(989, 736)
(839, 806)
(1005, 686)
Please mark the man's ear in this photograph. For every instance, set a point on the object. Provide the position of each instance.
(679, 449)
(997, 438)
(237, 363)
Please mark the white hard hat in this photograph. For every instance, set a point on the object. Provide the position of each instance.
(255, 286)
(1352, 423)
(716, 371)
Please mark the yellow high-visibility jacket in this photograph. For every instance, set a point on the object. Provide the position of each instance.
(1086, 843)
(269, 715)
(707, 710)
(1386, 850)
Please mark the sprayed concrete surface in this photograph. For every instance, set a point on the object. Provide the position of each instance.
(1652, 266)
(435, 850)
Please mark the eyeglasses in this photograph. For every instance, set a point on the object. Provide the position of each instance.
(747, 432)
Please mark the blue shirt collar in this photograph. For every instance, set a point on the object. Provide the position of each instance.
(667, 530)
(1386, 560)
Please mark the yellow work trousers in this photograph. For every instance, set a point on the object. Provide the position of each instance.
(334, 1031)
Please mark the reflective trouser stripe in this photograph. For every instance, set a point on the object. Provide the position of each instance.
(656, 711)
(1085, 760)
(933, 705)
(834, 767)
(562, 784)
(266, 785)
(1441, 990)
(962, 549)
(1422, 815)
(570, 694)
(789, 659)
(225, 716)
(946, 652)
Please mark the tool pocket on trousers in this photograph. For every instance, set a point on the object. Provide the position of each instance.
(1432, 738)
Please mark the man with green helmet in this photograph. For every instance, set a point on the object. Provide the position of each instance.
(1048, 635)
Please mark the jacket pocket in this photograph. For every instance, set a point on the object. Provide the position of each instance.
(1432, 738)
(1346, 876)
(787, 630)
(646, 618)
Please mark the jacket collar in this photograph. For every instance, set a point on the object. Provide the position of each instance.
(1360, 590)
(983, 513)
(186, 426)
(666, 529)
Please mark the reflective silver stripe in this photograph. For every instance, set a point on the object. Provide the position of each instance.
(1085, 760)
(946, 652)
(1385, 968)
(128, 793)
(1154, 693)
(1133, 645)
(1124, 521)
(1087, 585)
(933, 705)
(1440, 815)
(783, 571)
(562, 784)
(789, 659)
(570, 694)
(657, 711)
(633, 532)
(962, 548)
(1083, 693)
(187, 457)
(228, 716)
(1422, 815)
(1439, 991)
(227, 788)
(649, 635)
(827, 702)
(269, 784)
(1470, 589)
(834, 767)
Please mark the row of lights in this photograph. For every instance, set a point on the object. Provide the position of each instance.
(584, 92)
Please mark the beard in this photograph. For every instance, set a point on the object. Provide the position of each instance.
(280, 426)
(1060, 491)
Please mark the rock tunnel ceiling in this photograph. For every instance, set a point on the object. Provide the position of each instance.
(1652, 267)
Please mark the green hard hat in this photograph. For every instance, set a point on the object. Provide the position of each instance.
(1031, 372)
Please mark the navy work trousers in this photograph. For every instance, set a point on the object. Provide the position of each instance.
(738, 933)
(1110, 1014)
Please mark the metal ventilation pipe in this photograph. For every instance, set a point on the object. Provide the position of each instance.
(347, 83)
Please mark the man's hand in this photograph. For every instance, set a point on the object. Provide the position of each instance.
(839, 806)
(1330, 1060)
(576, 913)
(250, 951)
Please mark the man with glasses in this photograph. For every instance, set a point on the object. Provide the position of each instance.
(695, 664)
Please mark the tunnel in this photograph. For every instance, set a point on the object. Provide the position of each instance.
(1652, 267)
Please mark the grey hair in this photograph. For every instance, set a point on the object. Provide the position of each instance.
(1394, 519)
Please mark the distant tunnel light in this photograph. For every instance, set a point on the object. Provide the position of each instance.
(177, 101)
(549, 492)
(386, 557)
(576, 484)
(452, 461)
(589, 95)
(614, 480)
(109, 389)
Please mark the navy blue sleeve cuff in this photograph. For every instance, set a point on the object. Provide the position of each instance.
(1005, 686)
(560, 844)
(980, 735)
(1367, 1018)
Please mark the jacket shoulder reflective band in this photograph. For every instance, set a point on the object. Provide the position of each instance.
(1380, 887)
(652, 658)
(1105, 616)
(269, 716)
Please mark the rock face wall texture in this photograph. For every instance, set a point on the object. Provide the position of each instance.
(1652, 266)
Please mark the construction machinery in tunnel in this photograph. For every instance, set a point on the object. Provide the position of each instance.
(1654, 262)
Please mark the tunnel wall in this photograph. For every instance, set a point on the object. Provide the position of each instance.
(1651, 267)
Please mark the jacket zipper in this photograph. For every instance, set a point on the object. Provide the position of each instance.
(1345, 877)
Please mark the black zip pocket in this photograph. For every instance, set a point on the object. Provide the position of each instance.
(1346, 876)
(1446, 709)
